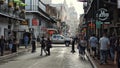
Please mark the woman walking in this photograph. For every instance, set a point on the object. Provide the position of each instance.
(82, 46)
(48, 45)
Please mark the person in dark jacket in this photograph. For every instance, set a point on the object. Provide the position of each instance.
(48, 45)
(117, 54)
(33, 44)
(2, 42)
(73, 45)
(43, 46)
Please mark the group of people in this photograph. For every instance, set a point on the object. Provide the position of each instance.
(45, 46)
(11, 44)
(81, 45)
(106, 47)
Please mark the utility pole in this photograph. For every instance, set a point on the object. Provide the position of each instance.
(98, 29)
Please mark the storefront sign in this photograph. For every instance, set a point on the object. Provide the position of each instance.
(102, 14)
(35, 22)
(24, 23)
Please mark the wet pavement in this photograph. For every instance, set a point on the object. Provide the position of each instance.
(60, 57)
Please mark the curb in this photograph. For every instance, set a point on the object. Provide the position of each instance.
(14, 54)
(91, 60)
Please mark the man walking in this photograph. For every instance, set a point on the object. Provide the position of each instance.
(2, 42)
(93, 42)
(73, 45)
(33, 43)
(104, 44)
(43, 46)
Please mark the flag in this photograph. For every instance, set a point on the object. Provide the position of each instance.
(35, 22)
(82, 0)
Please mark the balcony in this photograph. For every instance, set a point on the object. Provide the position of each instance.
(31, 8)
(37, 9)
(11, 12)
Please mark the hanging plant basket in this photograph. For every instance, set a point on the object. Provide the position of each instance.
(2, 1)
(22, 11)
(10, 4)
(17, 8)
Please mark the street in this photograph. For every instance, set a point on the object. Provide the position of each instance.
(60, 57)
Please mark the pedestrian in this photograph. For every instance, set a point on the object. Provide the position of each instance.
(33, 44)
(117, 54)
(104, 46)
(73, 45)
(38, 40)
(82, 46)
(112, 46)
(93, 44)
(48, 45)
(10, 43)
(2, 44)
(43, 46)
(14, 47)
(26, 40)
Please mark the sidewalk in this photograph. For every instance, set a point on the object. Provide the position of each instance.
(8, 54)
(96, 63)
(21, 49)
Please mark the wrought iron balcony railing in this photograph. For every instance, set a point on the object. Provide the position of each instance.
(11, 11)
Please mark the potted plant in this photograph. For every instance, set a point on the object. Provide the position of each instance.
(16, 8)
(23, 11)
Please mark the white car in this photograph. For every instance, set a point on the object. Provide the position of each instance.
(57, 38)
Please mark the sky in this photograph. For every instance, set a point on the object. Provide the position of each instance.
(78, 5)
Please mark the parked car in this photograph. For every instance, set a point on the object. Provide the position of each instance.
(57, 38)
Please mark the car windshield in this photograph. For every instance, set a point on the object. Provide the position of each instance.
(58, 36)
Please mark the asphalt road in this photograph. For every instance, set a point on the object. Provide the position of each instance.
(60, 57)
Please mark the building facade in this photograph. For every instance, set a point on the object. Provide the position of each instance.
(39, 20)
(102, 16)
(11, 15)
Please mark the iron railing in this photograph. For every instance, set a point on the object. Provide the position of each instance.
(11, 11)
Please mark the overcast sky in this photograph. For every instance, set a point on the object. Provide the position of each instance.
(78, 5)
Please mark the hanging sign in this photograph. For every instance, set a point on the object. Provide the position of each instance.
(102, 14)
(35, 22)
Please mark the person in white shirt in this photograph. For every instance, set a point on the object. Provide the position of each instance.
(104, 45)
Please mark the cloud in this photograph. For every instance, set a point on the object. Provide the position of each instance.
(78, 5)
